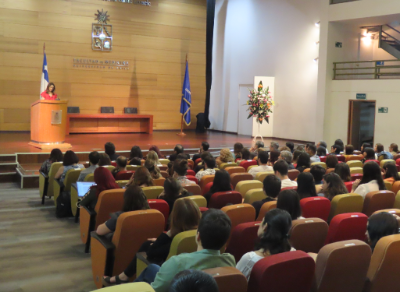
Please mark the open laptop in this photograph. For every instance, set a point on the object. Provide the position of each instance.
(83, 187)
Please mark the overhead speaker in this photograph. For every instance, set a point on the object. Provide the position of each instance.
(73, 110)
(130, 110)
(107, 109)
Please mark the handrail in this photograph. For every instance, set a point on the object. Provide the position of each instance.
(396, 40)
(392, 28)
(374, 69)
(393, 60)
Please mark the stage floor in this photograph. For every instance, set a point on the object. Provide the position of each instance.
(11, 143)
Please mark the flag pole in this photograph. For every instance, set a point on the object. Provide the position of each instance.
(181, 133)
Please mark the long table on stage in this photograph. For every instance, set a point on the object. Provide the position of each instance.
(109, 123)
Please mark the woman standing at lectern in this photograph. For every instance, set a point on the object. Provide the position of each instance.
(49, 93)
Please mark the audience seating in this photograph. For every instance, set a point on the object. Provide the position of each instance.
(227, 164)
(71, 177)
(160, 205)
(163, 168)
(124, 175)
(289, 188)
(194, 189)
(164, 161)
(323, 164)
(74, 200)
(376, 161)
(137, 287)
(341, 158)
(254, 195)
(207, 188)
(152, 192)
(132, 167)
(108, 202)
(342, 266)
(238, 177)
(164, 174)
(205, 180)
(346, 203)
(354, 157)
(349, 185)
(228, 279)
(190, 172)
(197, 161)
(354, 163)
(46, 182)
(192, 178)
(262, 175)
(109, 167)
(245, 164)
(388, 185)
(308, 234)
(284, 272)
(385, 262)
(384, 161)
(356, 176)
(199, 200)
(113, 163)
(235, 169)
(293, 174)
(322, 158)
(347, 226)
(397, 201)
(317, 207)
(391, 211)
(89, 177)
(396, 187)
(379, 200)
(243, 239)
(307, 170)
(240, 213)
(190, 163)
(159, 182)
(243, 186)
(110, 258)
(122, 183)
(251, 166)
(355, 170)
(221, 199)
(265, 208)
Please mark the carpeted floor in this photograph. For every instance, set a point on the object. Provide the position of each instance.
(39, 252)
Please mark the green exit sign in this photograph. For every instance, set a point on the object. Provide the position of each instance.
(361, 96)
(383, 110)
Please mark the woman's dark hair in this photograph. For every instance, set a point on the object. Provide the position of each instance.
(104, 159)
(135, 161)
(296, 155)
(343, 171)
(370, 154)
(246, 155)
(134, 199)
(321, 151)
(56, 155)
(274, 156)
(335, 186)
(170, 170)
(391, 171)
(214, 229)
(340, 143)
(136, 152)
(275, 238)
(193, 281)
(70, 158)
(349, 150)
(303, 161)
(364, 146)
(172, 189)
(272, 186)
(317, 172)
(331, 161)
(289, 201)
(181, 166)
(237, 149)
(222, 182)
(109, 148)
(380, 225)
(372, 171)
(142, 176)
(395, 147)
(306, 185)
(48, 86)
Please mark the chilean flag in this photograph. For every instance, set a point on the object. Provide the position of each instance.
(45, 76)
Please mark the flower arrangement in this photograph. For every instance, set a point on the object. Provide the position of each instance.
(260, 103)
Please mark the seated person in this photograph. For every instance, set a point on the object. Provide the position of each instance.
(246, 155)
(237, 150)
(195, 281)
(109, 149)
(339, 143)
(296, 155)
(212, 234)
(380, 225)
(273, 233)
(288, 157)
(371, 181)
(281, 170)
(172, 192)
(141, 178)
(289, 201)
(274, 146)
(263, 164)
(153, 156)
(321, 151)
(393, 149)
(178, 150)
(136, 152)
(312, 151)
(209, 167)
(121, 161)
(369, 154)
(157, 151)
(184, 216)
(104, 159)
(390, 172)
(381, 153)
(94, 158)
(204, 147)
(364, 146)
(349, 150)
(318, 173)
(290, 145)
(104, 181)
(70, 161)
(323, 144)
(55, 156)
(331, 161)
(225, 156)
(271, 188)
(135, 161)
(306, 185)
(273, 157)
(134, 200)
(152, 168)
(343, 171)
(222, 183)
(254, 148)
(170, 169)
(332, 186)
(180, 169)
(200, 166)
(303, 162)
(335, 149)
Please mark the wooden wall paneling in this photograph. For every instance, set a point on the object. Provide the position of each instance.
(17, 115)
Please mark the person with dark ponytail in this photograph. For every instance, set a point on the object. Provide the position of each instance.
(55, 156)
(180, 170)
(274, 239)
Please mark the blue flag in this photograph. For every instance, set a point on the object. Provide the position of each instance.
(186, 98)
(45, 75)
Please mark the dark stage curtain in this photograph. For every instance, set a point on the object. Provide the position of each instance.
(209, 50)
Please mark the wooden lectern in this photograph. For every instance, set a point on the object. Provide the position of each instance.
(48, 124)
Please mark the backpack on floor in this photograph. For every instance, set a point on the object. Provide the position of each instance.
(63, 208)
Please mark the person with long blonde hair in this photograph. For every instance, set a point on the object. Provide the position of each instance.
(225, 156)
(152, 155)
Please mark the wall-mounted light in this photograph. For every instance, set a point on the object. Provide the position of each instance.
(316, 59)
(317, 24)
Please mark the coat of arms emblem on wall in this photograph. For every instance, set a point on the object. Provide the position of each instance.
(102, 33)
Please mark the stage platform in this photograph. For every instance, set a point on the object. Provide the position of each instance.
(20, 162)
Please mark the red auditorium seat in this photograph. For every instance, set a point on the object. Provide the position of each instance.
(347, 226)
(356, 176)
(124, 175)
(198, 160)
(315, 207)
(113, 163)
(322, 158)
(293, 174)
(341, 158)
(243, 239)
(247, 163)
(161, 206)
(349, 185)
(207, 188)
(289, 188)
(191, 172)
(377, 161)
(221, 199)
(291, 271)
(192, 178)
(375, 201)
